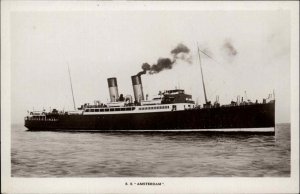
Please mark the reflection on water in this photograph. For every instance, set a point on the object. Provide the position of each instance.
(149, 154)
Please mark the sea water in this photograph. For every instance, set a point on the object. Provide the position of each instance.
(148, 154)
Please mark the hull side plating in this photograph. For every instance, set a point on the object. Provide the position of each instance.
(250, 117)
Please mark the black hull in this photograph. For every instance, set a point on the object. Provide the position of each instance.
(220, 119)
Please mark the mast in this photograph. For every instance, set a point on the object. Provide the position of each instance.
(202, 75)
(71, 88)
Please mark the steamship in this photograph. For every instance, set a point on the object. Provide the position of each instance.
(170, 110)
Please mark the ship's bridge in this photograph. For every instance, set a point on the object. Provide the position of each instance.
(176, 96)
(176, 91)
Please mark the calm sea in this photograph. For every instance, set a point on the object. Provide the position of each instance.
(137, 154)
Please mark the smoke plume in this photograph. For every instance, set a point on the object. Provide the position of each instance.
(146, 67)
(228, 47)
(181, 48)
(180, 52)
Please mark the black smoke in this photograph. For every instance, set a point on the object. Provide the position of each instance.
(146, 67)
(181, 48)
(162, 63)
(179, 52)
(229, 48)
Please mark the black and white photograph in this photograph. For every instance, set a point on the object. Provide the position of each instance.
(145, 96)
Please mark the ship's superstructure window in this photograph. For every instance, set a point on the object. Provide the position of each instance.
(109, 109)
(124, 109)
(153, 107)
(130, 108)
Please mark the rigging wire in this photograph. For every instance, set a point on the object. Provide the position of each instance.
(202, 74)
(71, 88)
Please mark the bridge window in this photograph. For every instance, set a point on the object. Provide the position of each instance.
(101, 110)
(96, 110)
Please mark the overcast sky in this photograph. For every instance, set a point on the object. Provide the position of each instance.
(251, 50)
